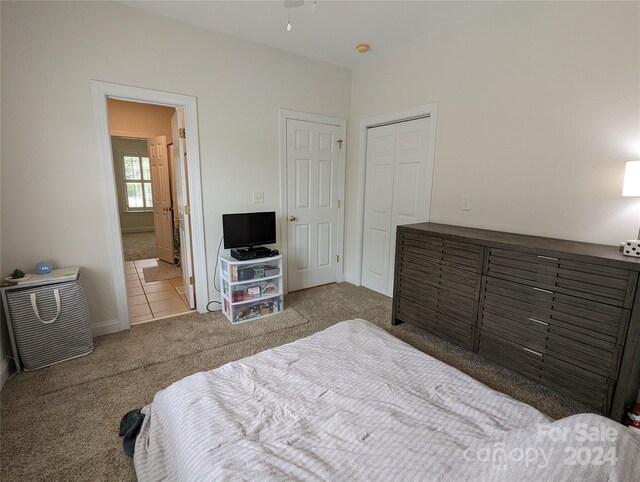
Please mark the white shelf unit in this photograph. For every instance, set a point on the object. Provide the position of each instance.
(250, 289)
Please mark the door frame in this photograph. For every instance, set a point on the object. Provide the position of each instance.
(286, 115)
(101, 92)
(412, 113)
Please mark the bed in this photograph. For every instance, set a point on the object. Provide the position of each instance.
(353, 402)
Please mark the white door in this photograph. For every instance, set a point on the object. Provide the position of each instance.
(378, 201)
(313, 162)
(398, 191)
(182, 203)
(162, 218)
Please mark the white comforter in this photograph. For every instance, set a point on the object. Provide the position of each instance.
(354, 403)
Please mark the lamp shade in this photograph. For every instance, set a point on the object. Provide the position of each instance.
(631, 186)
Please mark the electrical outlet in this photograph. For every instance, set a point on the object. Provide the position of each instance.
(466, 203)
(258, 197)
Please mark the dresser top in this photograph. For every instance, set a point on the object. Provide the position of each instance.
(599, 253)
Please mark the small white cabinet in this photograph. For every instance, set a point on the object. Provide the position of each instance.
(250, 289)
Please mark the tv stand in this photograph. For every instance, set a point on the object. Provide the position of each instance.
(253, 252)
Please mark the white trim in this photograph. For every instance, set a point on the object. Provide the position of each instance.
(138, 230)
(101, 91)
(4, 372)
(105, 328)
(350, 279)
(427, 110)
(318, 119)
(135, 135)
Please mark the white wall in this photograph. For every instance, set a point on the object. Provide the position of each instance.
(5, 349)
(539, 108)
(52, 204)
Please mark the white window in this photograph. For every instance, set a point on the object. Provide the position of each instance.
(137, 182)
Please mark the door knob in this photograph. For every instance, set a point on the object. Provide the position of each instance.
(292, 218)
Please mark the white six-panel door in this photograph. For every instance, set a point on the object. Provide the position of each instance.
(162, 217)
(312, 159)
(397, 191)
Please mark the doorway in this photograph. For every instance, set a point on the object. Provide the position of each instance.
(312, 172)
(176, 204)
(144, 167)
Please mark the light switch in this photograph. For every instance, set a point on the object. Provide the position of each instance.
(258, 196)
(466, 203)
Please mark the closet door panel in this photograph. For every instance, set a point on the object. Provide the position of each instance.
(377, 243)
(411, 179)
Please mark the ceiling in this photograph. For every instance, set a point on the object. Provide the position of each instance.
(330, 33)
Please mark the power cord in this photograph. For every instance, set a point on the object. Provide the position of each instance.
(215, 270)
(215, 277)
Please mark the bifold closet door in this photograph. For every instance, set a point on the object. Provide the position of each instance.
(397, 191)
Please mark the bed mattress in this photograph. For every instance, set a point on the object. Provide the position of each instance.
(353, 402)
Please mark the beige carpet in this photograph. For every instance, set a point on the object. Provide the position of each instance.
(139, 246)
(61, 423)
(161, 272)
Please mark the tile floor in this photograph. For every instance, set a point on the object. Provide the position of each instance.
(158, 299)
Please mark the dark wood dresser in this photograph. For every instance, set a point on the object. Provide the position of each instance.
(564, 313)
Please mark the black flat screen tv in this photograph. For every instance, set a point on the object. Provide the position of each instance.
(246, 230)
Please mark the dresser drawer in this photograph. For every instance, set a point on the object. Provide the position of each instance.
(521, 331)
(428, 275)
(449, 276)
(467, 283)
(582, 279)
(455, 304)
(413, 290)
(510, 355)
(414, 313)
(468, 257)
(428, 249)
(454, 330)
(589, 388)
(586, 353)
(421, 246)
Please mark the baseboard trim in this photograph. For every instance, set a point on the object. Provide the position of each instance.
(106, 328)
(351, 279)
(136, 230)
(4, 372)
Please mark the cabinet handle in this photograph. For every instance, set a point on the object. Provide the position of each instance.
(531, 351)
(538, 321)
(548, 257)
(544, 291)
